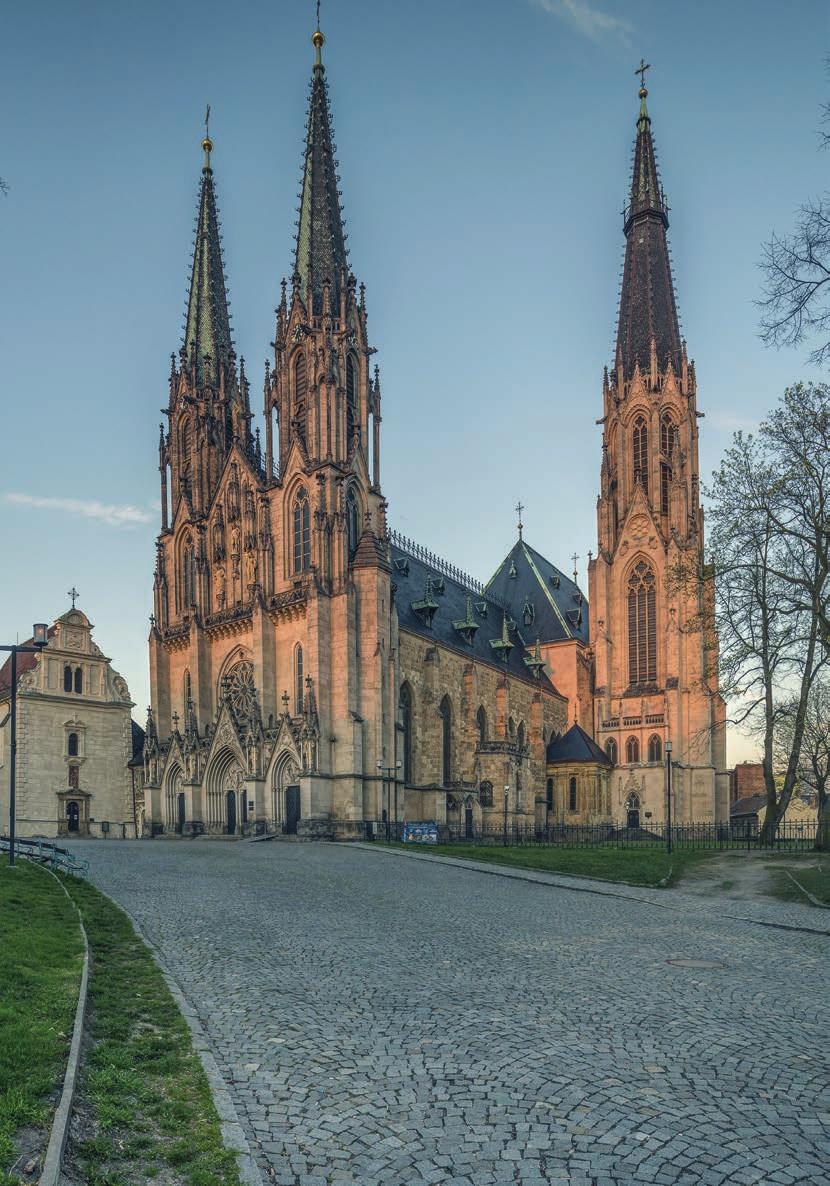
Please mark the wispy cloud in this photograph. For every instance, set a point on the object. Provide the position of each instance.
(587, 20)
(104, 512)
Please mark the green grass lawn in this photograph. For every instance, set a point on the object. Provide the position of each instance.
(41, 955)
(631, 866)
(813, 874)
(144, 1102)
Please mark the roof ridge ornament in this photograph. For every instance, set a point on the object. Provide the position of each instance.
(207, 143)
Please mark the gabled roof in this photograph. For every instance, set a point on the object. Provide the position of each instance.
(448, 606)
(321, 244)
(26, 660)
(137, 739)
(535, 589)
(648, 309)
(748, 805)
(208, 327)
(576, 746)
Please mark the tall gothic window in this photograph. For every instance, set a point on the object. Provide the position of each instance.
(184, 450)
(351, 399)
(639, 442)
(300, 389)
(405, 707)
(632, 751)
(668, 435)
(481, 725)
(520, 737)
(549, 794)
(187, 689)
(301, 532)
(665, 487)
(79, 680)
(352, 519)
(572, 801)
(67, 678)
(611, 750)
(655, 748)
(445, 711)
(298, 680)
(642, 625)
(188, 576)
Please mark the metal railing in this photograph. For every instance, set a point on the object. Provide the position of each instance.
(45, 853)
(738, 835)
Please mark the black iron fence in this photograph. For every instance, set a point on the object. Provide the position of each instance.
(737, 835)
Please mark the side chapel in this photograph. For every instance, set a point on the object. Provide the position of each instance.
(313, 672)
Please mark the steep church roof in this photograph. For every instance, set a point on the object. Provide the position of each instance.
(576, 746)
(321, 244)
(647, 303)
(450, 611)
(545, 603)
(208, 328)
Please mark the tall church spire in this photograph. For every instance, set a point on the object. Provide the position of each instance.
(321, 244)
(208, 330)
(647, 305)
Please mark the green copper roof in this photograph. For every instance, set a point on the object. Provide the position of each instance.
(321, 243)
(208, 329)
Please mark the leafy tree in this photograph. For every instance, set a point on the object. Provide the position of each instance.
(814, 766)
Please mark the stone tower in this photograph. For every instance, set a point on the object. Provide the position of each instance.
(272, 645)
(655, 674)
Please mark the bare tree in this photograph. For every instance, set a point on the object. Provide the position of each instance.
(814, 767)
(795, 298)
(769, 519)
(4, 189)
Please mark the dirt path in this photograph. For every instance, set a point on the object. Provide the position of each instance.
(743, 876)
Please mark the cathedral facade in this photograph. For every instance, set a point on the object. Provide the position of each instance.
(313, 672)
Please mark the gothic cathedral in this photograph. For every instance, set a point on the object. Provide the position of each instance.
(315, 673)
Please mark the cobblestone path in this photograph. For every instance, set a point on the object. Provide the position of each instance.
(383, 1020)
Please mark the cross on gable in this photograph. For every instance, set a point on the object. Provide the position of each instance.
(74, 594)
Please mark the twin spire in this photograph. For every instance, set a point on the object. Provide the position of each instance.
(648, 311)
(321, 254)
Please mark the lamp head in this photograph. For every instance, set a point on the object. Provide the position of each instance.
(40, 634)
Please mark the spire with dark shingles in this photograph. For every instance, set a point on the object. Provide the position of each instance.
(321, 243)
(647, 304)
(208, 330)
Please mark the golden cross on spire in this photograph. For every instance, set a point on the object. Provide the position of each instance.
(641, 70)
(317, 39)
(519, 508)
(207, 143)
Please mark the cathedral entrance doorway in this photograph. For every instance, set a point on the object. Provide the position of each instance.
(180, 813)
(73, 817)
(468, 823)
(632, 811)
(231, 809)
(292, 810)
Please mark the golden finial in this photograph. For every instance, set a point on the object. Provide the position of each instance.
(207, 143)
(317, 39)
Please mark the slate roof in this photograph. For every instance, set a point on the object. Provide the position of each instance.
(137, 736)
(647, 302)
(748, 805)
(321, 243)
(558, 607)
(576, 746)
(208, 327)
(452, 598)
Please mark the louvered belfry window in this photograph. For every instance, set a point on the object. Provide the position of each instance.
(300, 389)
(351, 400)
(665, 487)
(668, 435)
(642, 625)
(640, 452)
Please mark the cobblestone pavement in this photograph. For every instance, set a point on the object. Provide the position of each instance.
(386, 1020)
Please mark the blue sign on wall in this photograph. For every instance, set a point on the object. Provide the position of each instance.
(422, 832)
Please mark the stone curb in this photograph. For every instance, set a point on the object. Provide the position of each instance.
(233, 1134)
(60, 1122)
(575, 884)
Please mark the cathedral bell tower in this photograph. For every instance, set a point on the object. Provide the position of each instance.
(322, 401)
(656, 675)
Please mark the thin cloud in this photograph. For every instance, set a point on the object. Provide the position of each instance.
(589, 21)
(104, 512)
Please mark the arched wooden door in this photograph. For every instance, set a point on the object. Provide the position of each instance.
(292, 810)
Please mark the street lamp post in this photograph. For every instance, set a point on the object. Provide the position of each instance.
(506, 793)
(40, 637)
(668, 796)
(390, 773)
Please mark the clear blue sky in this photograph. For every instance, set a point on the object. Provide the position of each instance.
(484, 149)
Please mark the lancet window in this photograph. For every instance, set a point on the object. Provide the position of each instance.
(300, 389)
(445, 711)
(301, 532)
(639, 441)
(642, 625)
(351, 399)
(405, 708)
